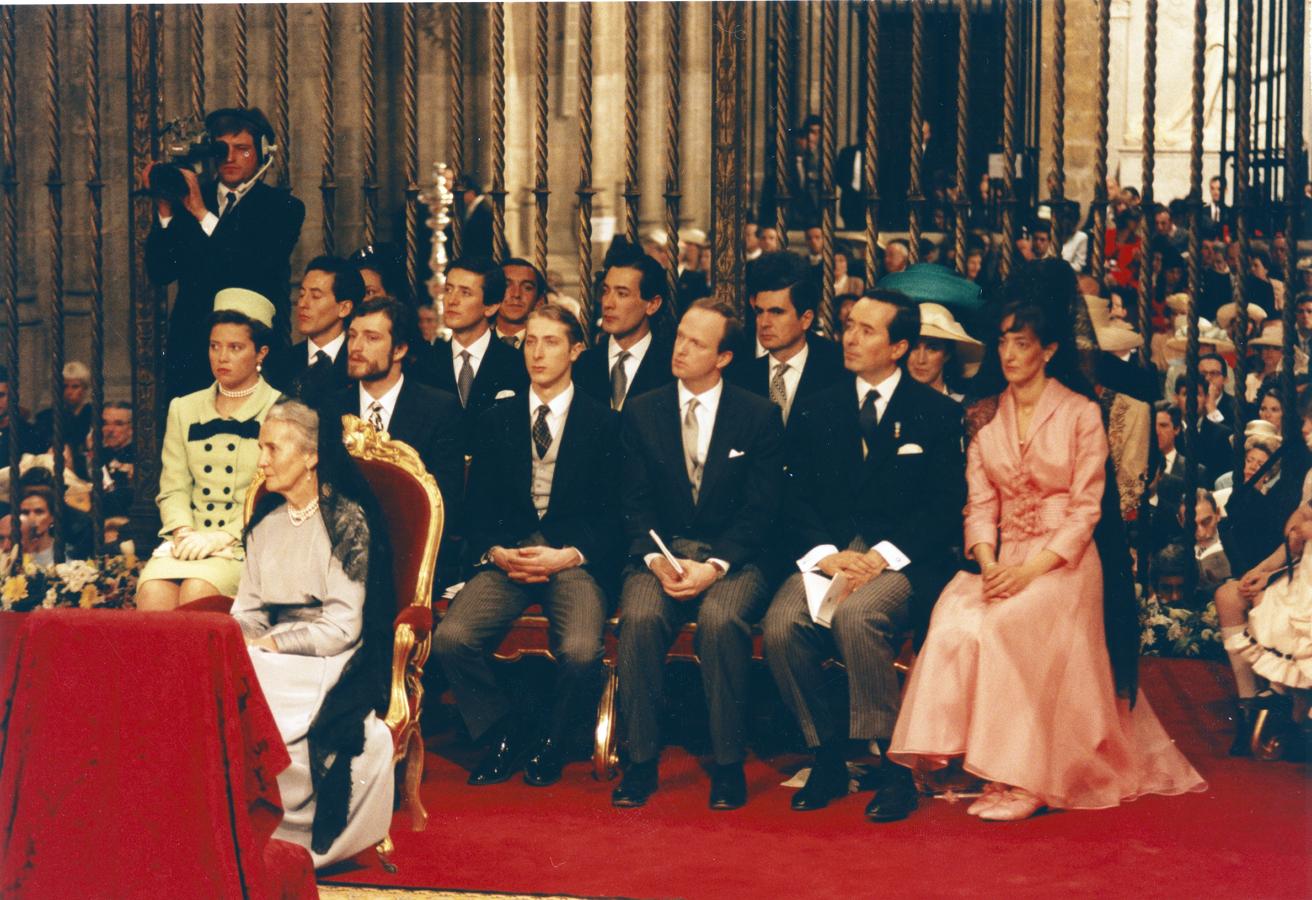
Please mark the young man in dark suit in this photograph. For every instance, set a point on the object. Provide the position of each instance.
(543, 528)
(632, 359)
(378, 341)
(797, 363)
(234, 232)
(702, 468)
(526, 287)
(330, 291)
(474, 366)
(875, 492)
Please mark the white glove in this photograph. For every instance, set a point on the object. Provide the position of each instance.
(200, 544)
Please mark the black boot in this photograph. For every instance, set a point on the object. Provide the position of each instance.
(1242, 744)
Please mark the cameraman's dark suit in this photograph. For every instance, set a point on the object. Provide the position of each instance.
(909, 490)
(250, 248)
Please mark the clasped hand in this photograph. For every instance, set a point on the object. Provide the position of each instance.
(534, 565)
(1002, 581)
(858, 568)
(696, 578)
(200, 544)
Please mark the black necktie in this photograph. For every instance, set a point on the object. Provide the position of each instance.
(229, 203)
(868, 419)
(541, 432)
(321, 358)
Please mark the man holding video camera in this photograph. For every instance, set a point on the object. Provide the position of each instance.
(230, 231)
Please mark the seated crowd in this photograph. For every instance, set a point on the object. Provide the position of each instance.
(920, 472)
(669, 474)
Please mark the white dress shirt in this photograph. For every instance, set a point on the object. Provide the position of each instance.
(476, 353)
(210, 221)
(811, 561)
(332, 348)
(708, 402)
(792, 376)
(885, 388)
(636, 354)
(557, 410)
(388, 402)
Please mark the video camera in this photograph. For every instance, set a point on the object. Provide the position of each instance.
(186, 144)
(191, 143)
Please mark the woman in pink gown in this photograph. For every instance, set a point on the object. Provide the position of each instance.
(1014, 683)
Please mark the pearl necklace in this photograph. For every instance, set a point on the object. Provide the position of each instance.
(300, 516)
(237, 395)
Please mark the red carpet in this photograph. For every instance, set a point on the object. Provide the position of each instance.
(1247, 836)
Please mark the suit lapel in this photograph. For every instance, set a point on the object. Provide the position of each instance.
(519, 440)
(723, 434)
(571, 438)
(671, 436)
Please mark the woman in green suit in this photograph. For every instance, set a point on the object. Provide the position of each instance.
(211, 448)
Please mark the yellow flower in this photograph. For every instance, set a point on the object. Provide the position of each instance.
(15, 589)
(90, 596)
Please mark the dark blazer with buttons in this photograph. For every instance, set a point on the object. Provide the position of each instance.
(738, 503)
(432, 423)
(911, 497)
(824, 366)
(251, 248)
(502, 369)
(592, 371)
(582, 510)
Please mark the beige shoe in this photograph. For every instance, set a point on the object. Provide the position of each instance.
(1016, 804)
(993, 792)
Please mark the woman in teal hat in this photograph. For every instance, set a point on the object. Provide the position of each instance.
(211, 447)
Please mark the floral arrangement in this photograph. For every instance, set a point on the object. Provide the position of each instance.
(1179, 631)
(106, 583)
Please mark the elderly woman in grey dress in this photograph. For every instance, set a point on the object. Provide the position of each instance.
(314, 607)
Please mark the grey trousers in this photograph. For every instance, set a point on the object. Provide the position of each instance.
(649, 622)
(479, 616)
(865, 630)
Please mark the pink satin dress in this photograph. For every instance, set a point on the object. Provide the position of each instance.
(1020, 690)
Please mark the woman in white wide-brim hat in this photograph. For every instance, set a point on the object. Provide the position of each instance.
(944, 355)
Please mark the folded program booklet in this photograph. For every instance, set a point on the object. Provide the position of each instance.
(823, 594)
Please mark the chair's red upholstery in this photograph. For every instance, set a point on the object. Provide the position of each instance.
(408, 515)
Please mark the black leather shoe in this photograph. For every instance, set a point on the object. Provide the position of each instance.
(504, 759)
(640, 782)
(728, 787)
(545, 765)
(896, 799)
(826, 782)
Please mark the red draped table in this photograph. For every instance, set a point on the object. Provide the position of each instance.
(138, 758)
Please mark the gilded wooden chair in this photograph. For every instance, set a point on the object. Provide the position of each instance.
(414, 513)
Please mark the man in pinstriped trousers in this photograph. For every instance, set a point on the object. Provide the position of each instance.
(702, 466)
(874, 493)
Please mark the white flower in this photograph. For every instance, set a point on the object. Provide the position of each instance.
(48, 602)
(1148, 638)
(76, 575)
(1175, 632)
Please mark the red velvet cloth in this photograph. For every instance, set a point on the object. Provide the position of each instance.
(138, 759)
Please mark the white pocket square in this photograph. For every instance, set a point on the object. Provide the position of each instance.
(910, 449)
(734, 454)
(504, 395)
